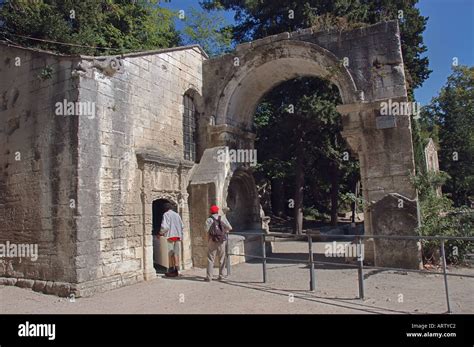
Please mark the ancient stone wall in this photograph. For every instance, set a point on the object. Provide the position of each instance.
(38, 162)
(131, 155)
(84, 187)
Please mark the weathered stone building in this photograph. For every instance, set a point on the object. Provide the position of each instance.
(82, 185)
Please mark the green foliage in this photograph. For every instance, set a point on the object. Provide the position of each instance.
(206, 29)
(462, 221)
(295, 105)
(426, 183)
(45, 73)
(419, 143)
(316, 111)
(349, 198)
(450, 119)
(312, 213)
(439, 218)
(121, 24)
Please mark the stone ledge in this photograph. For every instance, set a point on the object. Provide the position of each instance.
(366, 106)
(158, 158)
(62, 289)
(301, 32)
(263, 41)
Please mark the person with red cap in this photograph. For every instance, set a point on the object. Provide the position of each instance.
(217, 228)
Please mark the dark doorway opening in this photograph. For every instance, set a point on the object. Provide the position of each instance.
(159, 259)
(243, 203)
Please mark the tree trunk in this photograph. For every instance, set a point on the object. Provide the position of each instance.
(278, 197)
(299, 183)
(334, 192)
(315, 188)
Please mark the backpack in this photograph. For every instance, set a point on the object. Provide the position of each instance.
(216, 232)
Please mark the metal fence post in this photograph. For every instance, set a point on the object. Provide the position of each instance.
(312, 279)
(227, 254)
(264, 259)
(443, 255)
(360, 270)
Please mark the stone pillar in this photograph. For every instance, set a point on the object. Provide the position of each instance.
(354, 136)
(149, 272)
(385, 151)
(208, 182)
(395, 214)
(201, 196)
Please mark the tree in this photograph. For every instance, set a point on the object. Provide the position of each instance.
(450, 118)
(294, 111)
(439, 217)
(207, 29)
(89, 27)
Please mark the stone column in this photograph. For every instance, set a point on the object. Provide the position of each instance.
(207, 184)
(385, 151)
(149, 272)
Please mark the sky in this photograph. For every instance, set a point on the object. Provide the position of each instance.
(449, 34)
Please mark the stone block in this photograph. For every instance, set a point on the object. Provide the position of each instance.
(8, 281)
(25, 283)
(39, 286)
(396, 215)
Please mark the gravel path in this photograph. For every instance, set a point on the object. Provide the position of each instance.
(287, 291)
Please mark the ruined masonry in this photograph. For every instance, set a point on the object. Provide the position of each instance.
(82, 186)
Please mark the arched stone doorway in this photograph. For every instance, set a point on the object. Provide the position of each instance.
(367, 67)
(242, 202)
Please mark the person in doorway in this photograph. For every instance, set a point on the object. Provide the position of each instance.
(217, 228)
(172, 229)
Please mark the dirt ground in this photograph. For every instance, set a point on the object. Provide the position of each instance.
(286, 291)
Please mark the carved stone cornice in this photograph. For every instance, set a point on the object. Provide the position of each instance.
(365, 106)
(152, 157)
(109, 66)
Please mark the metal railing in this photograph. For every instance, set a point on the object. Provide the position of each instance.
(360, 262)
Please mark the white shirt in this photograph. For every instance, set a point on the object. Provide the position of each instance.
(172, 225)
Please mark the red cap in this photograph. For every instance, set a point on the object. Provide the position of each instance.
(214, 209)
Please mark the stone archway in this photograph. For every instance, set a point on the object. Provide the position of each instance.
(367, 66)
(243, 206)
